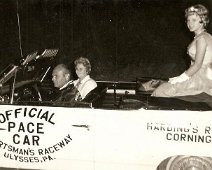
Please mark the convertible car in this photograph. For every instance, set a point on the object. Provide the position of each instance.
(118, 95)
(117, 126)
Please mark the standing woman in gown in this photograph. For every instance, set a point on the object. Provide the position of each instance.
(198, 77)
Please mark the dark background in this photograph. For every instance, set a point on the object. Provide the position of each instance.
(123, 39)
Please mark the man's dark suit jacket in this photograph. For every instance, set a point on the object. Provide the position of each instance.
(66, 96)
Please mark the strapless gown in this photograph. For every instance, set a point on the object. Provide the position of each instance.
(200, 82)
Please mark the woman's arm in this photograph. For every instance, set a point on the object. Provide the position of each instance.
(201, 46)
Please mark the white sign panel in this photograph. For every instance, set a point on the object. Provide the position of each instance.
(35, 137)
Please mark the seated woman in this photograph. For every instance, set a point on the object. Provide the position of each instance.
(84, 83)
(198, 78)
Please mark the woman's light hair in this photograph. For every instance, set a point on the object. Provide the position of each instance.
(200, 10)
(85, 62)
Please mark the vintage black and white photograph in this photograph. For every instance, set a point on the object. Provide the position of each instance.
(105, 84)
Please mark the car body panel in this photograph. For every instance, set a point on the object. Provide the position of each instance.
(117, 126)
(100, 139)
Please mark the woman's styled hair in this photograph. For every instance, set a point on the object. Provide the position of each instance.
(85, 62)
(200, 10)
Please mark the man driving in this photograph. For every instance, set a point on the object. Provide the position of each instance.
(61, 77)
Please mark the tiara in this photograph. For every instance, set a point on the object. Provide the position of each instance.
(192, 9)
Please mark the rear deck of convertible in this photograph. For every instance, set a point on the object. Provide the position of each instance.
(127, 96)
